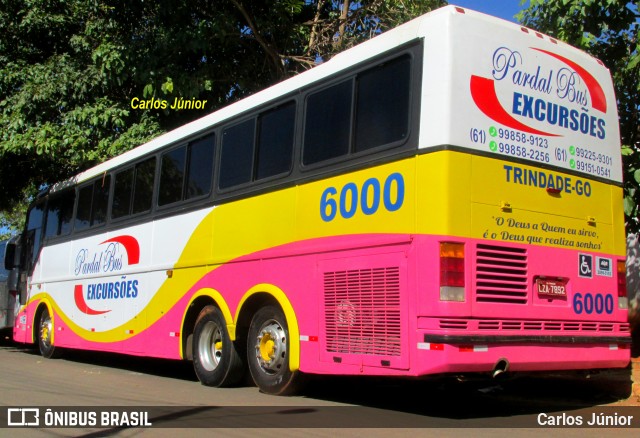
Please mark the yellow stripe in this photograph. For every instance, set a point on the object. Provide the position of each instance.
(446, 193)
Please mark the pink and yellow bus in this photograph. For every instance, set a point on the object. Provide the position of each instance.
(443, 199)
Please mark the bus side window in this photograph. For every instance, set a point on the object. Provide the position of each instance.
(172, 176)
(143, 186)
(83, 212)
(133, 189)
(382, 109)
(327, 127)
(100, 200)
(60, 214)
(185, 173)
(275, 141)
(200, 169)
(93, 201)
(33, 235)
(236, 163)
(122, 191)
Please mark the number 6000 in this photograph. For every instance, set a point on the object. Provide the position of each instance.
(369, 196)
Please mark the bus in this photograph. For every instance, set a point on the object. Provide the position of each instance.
(8, 289)
(443, 199)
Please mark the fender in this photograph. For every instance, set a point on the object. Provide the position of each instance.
(287, 308)
(220, 302)
(35, 302)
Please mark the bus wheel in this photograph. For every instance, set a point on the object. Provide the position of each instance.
(215, 358)
(268, 353)
(45, 334)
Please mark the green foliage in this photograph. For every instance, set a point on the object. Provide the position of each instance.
(69, 70)
(610, 31)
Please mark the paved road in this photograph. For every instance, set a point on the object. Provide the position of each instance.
(87, 380)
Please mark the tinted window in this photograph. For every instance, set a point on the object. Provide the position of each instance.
(172, 176)
(60, 213)
(122, 189)
(143, 189)
(92, 204)
(327, 123)
(275, 141)
(382, 111)
(133, 189)
(100, 201)
(236, 163)
(3, 272)
(83, 213)
(33, 237)
(200, 167)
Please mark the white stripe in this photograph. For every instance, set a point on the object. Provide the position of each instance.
(304, 337)
(424, 346)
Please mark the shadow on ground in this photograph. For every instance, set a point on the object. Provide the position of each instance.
(444, 397)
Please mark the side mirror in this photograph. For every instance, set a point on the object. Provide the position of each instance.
(12, 254)
(9, 256)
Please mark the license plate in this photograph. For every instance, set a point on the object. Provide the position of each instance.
(556, 288)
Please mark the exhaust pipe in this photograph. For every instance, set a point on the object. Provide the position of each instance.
(501, 367)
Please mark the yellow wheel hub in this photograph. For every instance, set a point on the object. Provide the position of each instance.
(267, 349)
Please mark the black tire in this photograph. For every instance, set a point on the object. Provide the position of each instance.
(45, 334)
(268, 353)
(215, 358)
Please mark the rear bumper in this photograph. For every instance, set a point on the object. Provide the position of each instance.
(441, 353)
(526, 339)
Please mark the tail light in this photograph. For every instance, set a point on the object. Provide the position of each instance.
(452, 271)
(623, 301)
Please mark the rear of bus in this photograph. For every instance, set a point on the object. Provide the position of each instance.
(523, 193)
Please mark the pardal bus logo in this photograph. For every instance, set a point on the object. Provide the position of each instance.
(559, 97)
(116, 253)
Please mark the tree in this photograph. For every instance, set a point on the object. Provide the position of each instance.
(69, 70)
(609, 30)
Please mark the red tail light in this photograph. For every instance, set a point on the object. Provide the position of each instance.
(452, 271)
(451, 264)
(623, 302)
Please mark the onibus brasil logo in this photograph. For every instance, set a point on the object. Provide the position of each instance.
(112, 255)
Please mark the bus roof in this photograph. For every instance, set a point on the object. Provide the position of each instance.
(444, 31)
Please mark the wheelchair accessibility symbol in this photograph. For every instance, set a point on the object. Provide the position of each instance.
(585, 266)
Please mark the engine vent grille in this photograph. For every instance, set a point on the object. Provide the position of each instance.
(362, 311)
(501, 274)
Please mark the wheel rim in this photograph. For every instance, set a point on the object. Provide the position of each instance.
(45, 330)
(210, 346)
(271, 347)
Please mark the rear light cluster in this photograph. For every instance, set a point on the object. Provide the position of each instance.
(623, 301)
(452, 271)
